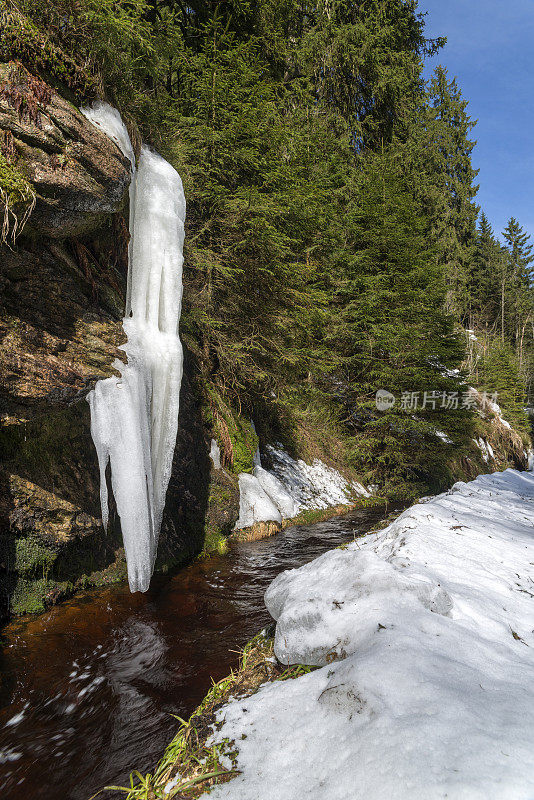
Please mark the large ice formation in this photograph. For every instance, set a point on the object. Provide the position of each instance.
(134, 418)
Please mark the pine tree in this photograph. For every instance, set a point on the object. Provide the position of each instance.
(499, 373)
(521, 297)
(484, 284)
(364, 60)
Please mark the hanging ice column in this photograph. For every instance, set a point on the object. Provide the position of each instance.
(134, 419)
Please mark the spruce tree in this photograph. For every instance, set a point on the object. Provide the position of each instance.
(520, 279)
(484, 285)
(391, 332)
(455, 211)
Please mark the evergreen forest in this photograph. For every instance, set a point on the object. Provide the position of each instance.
(334, 244)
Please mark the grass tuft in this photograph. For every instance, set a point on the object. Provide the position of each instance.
(192, 763)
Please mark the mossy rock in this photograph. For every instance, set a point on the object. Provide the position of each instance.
(15, 189)
(22, 39)
(235, 434)
(33, 558)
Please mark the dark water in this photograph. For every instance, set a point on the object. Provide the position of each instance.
(88, 688)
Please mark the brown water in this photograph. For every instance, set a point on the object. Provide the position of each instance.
(88, 688)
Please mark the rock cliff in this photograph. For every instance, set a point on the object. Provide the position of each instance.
(62, 284)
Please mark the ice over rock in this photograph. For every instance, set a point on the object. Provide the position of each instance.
(134, 418)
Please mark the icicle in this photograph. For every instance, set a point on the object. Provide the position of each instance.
(134, 419)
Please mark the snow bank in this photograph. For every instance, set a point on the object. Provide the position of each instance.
(276, 490)
(313, 485)
(255, 505)
(426, 634)
(291, 486)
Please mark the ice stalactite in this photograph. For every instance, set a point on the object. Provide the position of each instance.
(134, 418)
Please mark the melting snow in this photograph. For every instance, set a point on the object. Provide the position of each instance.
(255, 505)
(424, 634)
(313, 485)
(290, 487)
(486, 449)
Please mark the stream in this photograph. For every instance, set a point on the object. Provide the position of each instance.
(88, 688)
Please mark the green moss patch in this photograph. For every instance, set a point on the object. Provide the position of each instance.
(234, 433)
(33, 558)
(22, 40)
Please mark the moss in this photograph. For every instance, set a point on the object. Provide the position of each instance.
(244, 444)
(33, 597)
(36, 586)
(214, 542)
(22, 40)
(28, 597)
(234, 433)
(13, 185)
(222, 509)
(17, 197)
(33, 558)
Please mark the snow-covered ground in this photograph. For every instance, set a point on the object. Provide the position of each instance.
(424, 634)
(290, 487)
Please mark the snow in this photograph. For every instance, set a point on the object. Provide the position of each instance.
(134, 418)
(290, 487)
(215, 454)
(276, 490)
(313, 485)
(443, 436)
(485, 448)
(255, 505)
(424, 634)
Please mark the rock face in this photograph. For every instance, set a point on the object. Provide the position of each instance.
(61, 302)
(80, 177)
(62, 287)
(59, 327)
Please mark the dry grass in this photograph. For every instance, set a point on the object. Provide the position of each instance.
(260, 530)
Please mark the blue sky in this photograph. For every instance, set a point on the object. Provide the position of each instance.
(490, 49)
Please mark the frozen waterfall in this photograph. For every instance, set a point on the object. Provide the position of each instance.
(134, 418)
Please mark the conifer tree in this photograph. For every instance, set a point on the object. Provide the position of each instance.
(484, 285)
(391, 332)
(521, 297)
(455, 212)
